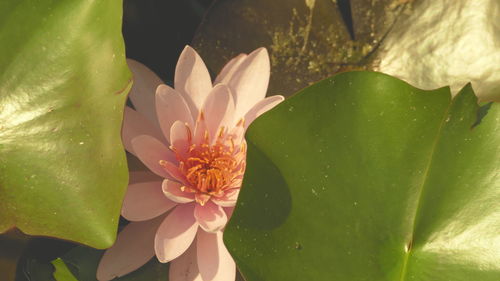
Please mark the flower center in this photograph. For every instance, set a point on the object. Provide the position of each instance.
(213, 168)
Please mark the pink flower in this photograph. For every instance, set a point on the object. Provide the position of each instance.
(192, 140)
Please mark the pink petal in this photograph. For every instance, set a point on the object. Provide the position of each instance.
(192, 78)
(135, 124)
(144, 201)
(173, 171)
(249, 83)
(185, 267)
(238, 133)
(214, 261)
(142, 176)
(218, 109)
(132, 249)
(210, 216)
(228, 199)
(261, 107)
(180, 136)
(200, 130)
(201, 198)
(229, 69)
(173, 191)
(151, 151)
(171, 106)
(176, 233)
(143, 90)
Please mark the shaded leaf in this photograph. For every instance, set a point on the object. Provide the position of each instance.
(427, 43)
(36, 270)
(381, 181)
(307, 39)
(373, 19)
(299, 37)
(12, 245)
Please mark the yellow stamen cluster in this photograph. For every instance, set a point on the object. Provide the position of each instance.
(212, 168)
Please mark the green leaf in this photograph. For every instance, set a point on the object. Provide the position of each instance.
(364, 177)
(62, 272)
(63, 84)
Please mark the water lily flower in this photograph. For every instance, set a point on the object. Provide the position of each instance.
(191, 139)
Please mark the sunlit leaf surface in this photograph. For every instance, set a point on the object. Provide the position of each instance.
(63, 83)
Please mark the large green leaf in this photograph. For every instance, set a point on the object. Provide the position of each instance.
(63, 84)
(364, 177)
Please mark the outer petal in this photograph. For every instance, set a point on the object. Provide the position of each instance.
(261, 107)
(249, 83)
(185, 267)
(173, 191)
(218, 109)
(192, 78)
(211, 217)
(143, 90)
(170, 107)
(151, 151)
(214, 261)
(133, 248)
(176, 233)
(229, 69)
(136, 124)
(144, 201)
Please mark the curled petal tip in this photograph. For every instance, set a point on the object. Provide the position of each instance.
(262, 51)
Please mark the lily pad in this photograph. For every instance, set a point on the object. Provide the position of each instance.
(364, 177)
(63, 86)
